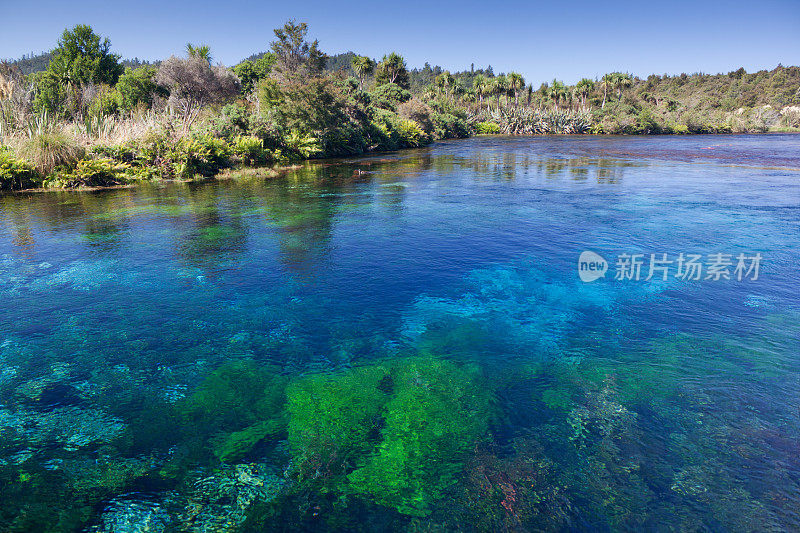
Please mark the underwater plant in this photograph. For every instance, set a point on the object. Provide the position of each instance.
(236, 407)
(438, 413)
(397, 433)
(333, 418)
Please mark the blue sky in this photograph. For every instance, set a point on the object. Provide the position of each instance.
(541, 40)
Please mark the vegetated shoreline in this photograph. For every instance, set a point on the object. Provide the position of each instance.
(87, 122)
(276, 171)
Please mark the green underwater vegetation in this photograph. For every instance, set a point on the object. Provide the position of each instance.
(434, 440)
(438, 413)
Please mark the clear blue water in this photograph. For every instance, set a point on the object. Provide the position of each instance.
(615, 404)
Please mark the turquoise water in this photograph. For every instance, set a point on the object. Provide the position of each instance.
(403, 342)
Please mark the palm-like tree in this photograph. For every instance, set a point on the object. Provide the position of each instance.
(500, 85)
(459, 89)
(582, 90)
(606, 80)
(492, 88)
(363, 66)
(203, 51)
(556, 92)
(622, 82)
(444, 81)
(480, 83)
(515, 83)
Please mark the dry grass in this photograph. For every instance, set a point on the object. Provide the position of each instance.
(111, 131)
(48, 150)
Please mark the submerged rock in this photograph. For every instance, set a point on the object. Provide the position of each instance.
(34, 389)
(132, 516)
(80, 275)
(220, 502)
(69, 427)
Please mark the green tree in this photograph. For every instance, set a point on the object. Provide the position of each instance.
(203, 51)
(81, 58)
(294, 55)
(136, 86)
(392, 69)
(515, 83)
(445, 81)
(250, 73)
(363, 66)
(582, 90)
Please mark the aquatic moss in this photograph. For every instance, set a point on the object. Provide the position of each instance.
(234, 396)
(397, 433)
(232, 447)
(238, 405)
(333, 418)
(438, 413)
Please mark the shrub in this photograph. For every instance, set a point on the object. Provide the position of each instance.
(447, 126)
(91, 173)
(203, 155)
(646, 123)
(251, 151)
(380, 136)
(16, 174)
(230, 123)
(301, 144)
(50, 150)
(349, 139)
(417, 111)
(193, 84)
(410, 133)
(389, 96)
(487, 128)
(267, 130)
(136, 87)
(791, 117)
(678, 129)
(154, 153)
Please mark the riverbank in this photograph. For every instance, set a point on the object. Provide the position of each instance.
(720, 152)
(73, 127)
(123, 170)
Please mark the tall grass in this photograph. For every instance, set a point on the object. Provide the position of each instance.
(50, 149)
(110, 130)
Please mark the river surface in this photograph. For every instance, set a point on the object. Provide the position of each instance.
(409, 341)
